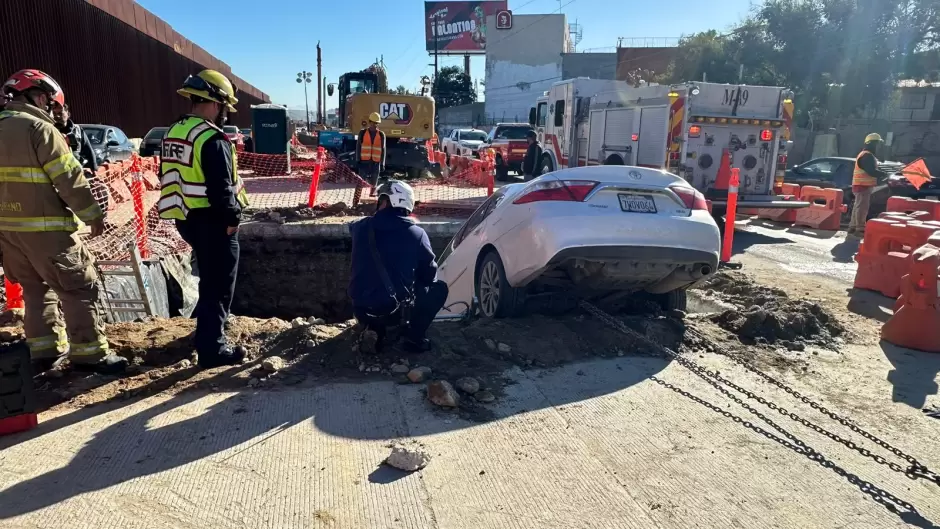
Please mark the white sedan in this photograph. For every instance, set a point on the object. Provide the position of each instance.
(597, 232)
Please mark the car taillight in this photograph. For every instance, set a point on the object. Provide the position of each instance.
(557, 190)
(690, 197)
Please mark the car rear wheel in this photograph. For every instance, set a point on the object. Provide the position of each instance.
(498, 299)
(675, 300)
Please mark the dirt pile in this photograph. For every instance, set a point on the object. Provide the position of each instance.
(302, 212)
(766, 315)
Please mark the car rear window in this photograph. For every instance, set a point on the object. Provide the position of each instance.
(156, 133)
(511, 133)
(473, 135)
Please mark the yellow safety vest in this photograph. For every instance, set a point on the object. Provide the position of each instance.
(861, 177)
(182, 182)
(371, 146)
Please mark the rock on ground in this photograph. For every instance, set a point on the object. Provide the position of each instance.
(485, 396)
(399, 369)
(419, 374)
(273, 363)
(408, 459)
(504, 348)
(440, 392)
(298, 322)
(490, 344)
(367, 342)
(468, 385)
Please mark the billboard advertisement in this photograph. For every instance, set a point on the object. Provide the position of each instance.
(459, 27)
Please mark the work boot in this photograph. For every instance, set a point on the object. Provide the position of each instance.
(227, 356)
(111, 364)
(42, 365)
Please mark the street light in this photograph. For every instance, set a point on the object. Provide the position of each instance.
(305, 78)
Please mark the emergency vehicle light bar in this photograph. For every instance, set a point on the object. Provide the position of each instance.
(737, 121)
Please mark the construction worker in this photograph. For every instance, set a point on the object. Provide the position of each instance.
(42, 190)
(393, 282)
(864, 180)
(370, 151)
(201, 191)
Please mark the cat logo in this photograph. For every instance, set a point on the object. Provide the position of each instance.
(398, 113)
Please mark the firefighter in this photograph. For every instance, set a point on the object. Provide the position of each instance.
(370, 151)
(201, 191)
(864, 180)
(42, 191)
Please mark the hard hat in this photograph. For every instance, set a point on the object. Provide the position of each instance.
(25, 79)
(375, 117)
(211, 85)
(400, 194)
(874, 136)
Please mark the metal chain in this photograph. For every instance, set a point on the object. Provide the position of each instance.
(915, 471)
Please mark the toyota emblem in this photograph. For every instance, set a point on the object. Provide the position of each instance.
(636, 175)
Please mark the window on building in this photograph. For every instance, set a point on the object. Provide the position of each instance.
(913, 101)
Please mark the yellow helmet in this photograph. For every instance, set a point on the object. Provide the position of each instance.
(375, 117)
(211, 85)
(874, 136)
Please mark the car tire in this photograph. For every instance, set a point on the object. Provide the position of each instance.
(547, 166)
(497, 298)
(502, 172)
(674, 300)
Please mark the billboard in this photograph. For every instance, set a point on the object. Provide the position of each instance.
(459, 27)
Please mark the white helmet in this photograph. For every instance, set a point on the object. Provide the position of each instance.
(400, 194)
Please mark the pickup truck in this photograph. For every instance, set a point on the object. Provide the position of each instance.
(463, 142)
(509, 141)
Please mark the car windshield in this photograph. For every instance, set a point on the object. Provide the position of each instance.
(473, 135)
(96, 136)
(230, 129)
(511, 133)
(156, 133)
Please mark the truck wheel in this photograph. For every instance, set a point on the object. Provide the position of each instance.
(547, 166)
(613, 159)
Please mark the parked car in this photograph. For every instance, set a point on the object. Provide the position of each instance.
(464, 142)
(599, 232)
(509, 140)
(233, 134)
(152, 142)
(835, 172)
(109, 142)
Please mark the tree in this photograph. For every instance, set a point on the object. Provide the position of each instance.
(401, 90)
(453, 87)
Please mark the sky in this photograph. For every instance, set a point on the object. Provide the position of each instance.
(268, 43)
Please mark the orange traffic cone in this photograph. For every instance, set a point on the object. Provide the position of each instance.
(723, 180)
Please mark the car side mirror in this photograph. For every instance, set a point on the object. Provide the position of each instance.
(113, 143)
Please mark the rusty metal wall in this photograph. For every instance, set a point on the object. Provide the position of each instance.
(111, 72)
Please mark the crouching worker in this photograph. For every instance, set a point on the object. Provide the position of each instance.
(393, 281)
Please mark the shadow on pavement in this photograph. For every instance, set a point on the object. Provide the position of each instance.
(870, 304)
(845, 251)
(811, 232)
(134, 446)
(744, 239)
(913, 376)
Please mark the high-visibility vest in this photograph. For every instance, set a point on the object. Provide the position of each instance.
(861, 177)
(371, 149)
(182, 182)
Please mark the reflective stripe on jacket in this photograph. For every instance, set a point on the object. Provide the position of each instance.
(371, 146)
(860, 177)
(42, 185)
(182, 180)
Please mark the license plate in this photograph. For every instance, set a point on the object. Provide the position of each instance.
(637, 203)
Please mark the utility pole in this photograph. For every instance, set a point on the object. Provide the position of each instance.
(304, 78)
(319, 84)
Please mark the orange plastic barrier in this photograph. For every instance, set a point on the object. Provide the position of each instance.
(788, 216)
(884, 255)
(930, 208)
(825, 208)
(916, 320)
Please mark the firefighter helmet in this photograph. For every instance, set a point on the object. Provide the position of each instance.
(25, 79)
(211, 85)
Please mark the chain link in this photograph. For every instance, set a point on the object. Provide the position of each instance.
(915, 470)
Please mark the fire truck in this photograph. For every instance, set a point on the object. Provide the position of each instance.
(690, 129)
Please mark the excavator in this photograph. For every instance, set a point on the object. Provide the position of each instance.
(407, 121)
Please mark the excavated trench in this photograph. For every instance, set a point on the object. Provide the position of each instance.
(302, 269)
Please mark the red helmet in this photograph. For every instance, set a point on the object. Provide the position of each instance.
(26, 79)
